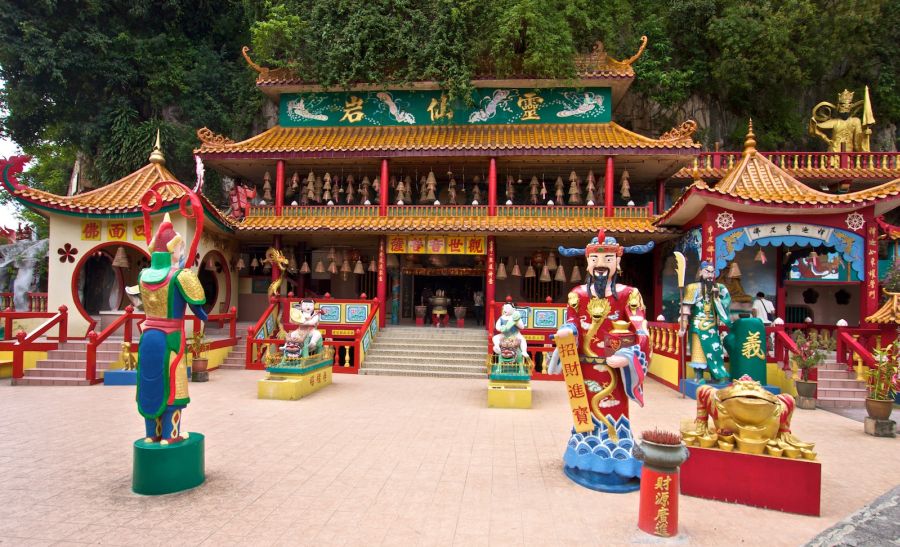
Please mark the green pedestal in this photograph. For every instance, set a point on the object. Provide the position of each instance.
(166, 469)
(746, 345)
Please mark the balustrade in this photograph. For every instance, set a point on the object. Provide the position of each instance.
(863, 161)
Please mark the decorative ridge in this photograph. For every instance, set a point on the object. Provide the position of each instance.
(209, 137)
(685, 131)
(629, 61)
(260, 69)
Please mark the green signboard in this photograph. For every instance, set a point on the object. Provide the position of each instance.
(489, 106)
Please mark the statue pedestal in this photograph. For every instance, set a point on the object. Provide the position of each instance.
(806, 403)
(202, 376)
(782, 484)
(503, 394)
(120, 378)
(288, 386)
(880, 428)
(162, 469)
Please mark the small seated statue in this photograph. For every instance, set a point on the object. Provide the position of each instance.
(128, 360)
(306, 339)
(510, 345)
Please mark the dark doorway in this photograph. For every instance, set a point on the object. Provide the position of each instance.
(100, 283)
(459, 288)
(210, 288)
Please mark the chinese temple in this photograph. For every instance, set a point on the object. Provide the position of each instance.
(394, 193)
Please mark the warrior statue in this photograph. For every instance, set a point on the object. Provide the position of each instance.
(510, 345)
(166, 288)
(605, 368)
(305, 340)
(849, 133)
(704, 307)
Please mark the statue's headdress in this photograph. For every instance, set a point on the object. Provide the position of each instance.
(166, 238)
(845, 96)
(606, 244)
(706, 264)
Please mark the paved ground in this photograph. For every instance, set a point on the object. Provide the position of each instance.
(369, 461)
(875, 524)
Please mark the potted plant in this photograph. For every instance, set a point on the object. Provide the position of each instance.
(809, 356)
(882, 382)
(199, 346)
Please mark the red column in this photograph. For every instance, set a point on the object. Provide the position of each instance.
(658, 264)
(660, 196)
(780, 291)
(492, 188)
(610, 187)
(382, 273)
(279, 187)
(383, 193)
(869, 300)
(490, 284)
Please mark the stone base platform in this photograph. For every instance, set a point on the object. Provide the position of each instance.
(509, 394)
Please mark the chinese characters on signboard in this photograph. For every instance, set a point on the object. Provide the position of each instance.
(420, 244)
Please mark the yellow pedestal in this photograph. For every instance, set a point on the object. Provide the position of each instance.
(290, 387)
(509, 394)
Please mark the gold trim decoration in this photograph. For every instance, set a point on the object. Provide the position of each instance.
(210, 138)
(684, 132)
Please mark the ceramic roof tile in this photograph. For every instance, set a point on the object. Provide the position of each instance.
(443, 138)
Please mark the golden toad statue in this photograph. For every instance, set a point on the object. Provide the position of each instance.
(849, 133)
(757, 418)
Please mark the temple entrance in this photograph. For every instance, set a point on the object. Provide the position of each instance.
(210, 288)
(460, 289)
(100, 284)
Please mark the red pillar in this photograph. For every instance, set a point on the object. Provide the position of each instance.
(780, 291)
(383, 194)
(382, 273)
(660, 196)
(658, 264)
(610, 187)
(869, 300)
(492, 188)
(490, 282)
(279, 187)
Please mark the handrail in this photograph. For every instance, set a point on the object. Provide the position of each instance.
(231, 340)
(251, 332)
(848, 344)
(454, 211)
(807, 160)
(25, 342)
(10, 314)
(94, 339)
(784, 346)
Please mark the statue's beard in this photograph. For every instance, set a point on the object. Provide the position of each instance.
(599, 278)
(708, 286)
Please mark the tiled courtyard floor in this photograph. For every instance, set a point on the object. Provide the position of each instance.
(369, 461)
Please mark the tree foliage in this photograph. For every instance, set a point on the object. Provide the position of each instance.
(98, 77)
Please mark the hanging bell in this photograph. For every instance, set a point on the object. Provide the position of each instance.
(516, 271)
(332, 268)
(551, 262)
(254, 263)
(530, 271)
(240, 264)
(320, 268)
(359, 269)
(560, 274)
(501, 271)
(345, 266)
(576, 274)
(545, 274)
(121, 259)
(304, 268)
(760, 257)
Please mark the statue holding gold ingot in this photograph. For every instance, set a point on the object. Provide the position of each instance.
(603, 352)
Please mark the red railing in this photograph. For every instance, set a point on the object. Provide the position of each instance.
(455, 211)
(9, 315)
(221, 318)
(857, 342)
(29, 342)
(37, 301)
(865, 161)
(94, 339)
(347, 339)
(7, 301)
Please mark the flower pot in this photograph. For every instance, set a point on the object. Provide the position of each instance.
(879, 410)
(663, 457)
(806, 388)
(199, 364)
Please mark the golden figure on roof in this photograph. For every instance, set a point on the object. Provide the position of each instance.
(849, 132)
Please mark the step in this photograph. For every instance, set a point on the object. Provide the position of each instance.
(42, 372)
(855, 392)
(840, 402)
(420, 373)
(435, 367)
(417, 345)
(427, 353)
(49, 381)
(842, 383)
(413, 359)
(836, 375)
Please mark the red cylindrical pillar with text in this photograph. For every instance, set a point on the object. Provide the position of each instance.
(609, 191)
(869, 300)
(658, 513)
(490, 284)
(279, 188)
(384, 192)
(492, 187)
(382, 280)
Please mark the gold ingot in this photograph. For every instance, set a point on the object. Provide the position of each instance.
(708, 441)
(726, 446)
(773, 450)
(620, 327)
(792, 452)
(750, 446)
(808, 454)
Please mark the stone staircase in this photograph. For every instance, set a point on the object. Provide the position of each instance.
(427, 351)
(237, 357)
(838, 387)
(66, 365)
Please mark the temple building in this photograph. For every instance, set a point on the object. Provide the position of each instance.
(394, 193)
